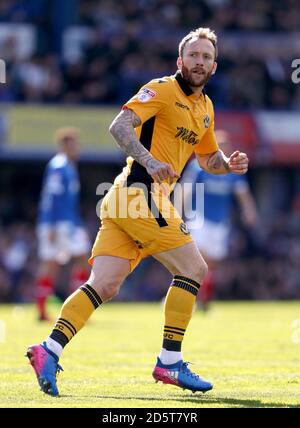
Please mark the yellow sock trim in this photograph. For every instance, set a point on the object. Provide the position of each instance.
(179, 306)
(76, 310)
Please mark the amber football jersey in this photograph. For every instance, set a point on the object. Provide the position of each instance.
(175, 123)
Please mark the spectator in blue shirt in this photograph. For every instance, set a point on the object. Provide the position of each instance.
(60, 231)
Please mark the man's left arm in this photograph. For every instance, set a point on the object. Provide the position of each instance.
(218, 163)
(211, 158)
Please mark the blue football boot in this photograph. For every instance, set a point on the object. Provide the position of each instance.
(46, 367)
(180, 375)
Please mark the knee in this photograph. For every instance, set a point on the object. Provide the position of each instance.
(107, 289)
(197, 271)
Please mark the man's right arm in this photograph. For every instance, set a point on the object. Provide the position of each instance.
(122, 129)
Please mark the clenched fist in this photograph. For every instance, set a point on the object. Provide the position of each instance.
(238, 162)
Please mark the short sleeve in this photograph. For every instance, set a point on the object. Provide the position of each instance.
(150, 99)
(208, 144)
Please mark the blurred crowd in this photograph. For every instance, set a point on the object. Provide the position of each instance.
(264, 264)
(101, 52)
(18, 263)
(128, 43)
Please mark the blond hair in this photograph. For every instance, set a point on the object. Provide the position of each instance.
(67, 132)
(200, 33)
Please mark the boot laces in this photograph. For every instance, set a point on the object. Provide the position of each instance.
(58, 369)
(188, 372)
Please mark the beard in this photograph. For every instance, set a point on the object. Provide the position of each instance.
(193, 79)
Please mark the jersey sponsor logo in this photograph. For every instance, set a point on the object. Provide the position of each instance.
(187, 135)
(145, 95)
(184, 229)
(181, 105)
(206, 121)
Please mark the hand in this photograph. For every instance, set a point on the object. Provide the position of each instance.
(238, 162)
(161, 171)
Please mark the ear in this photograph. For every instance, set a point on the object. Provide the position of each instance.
(214, 68)
(179, 63)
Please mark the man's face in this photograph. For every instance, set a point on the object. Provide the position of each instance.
(71, 147)
(197, 63)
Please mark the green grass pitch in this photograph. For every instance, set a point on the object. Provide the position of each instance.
(250, 351)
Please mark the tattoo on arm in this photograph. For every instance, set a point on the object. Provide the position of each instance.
(122, 129)
(226, 166)
(217, 163)
(214, 161)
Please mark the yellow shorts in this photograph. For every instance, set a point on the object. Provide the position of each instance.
(135, 225)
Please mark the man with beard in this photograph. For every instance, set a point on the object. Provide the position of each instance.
(159, 128)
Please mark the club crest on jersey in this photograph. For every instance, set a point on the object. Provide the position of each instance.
(145, 95)
(206, 121)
